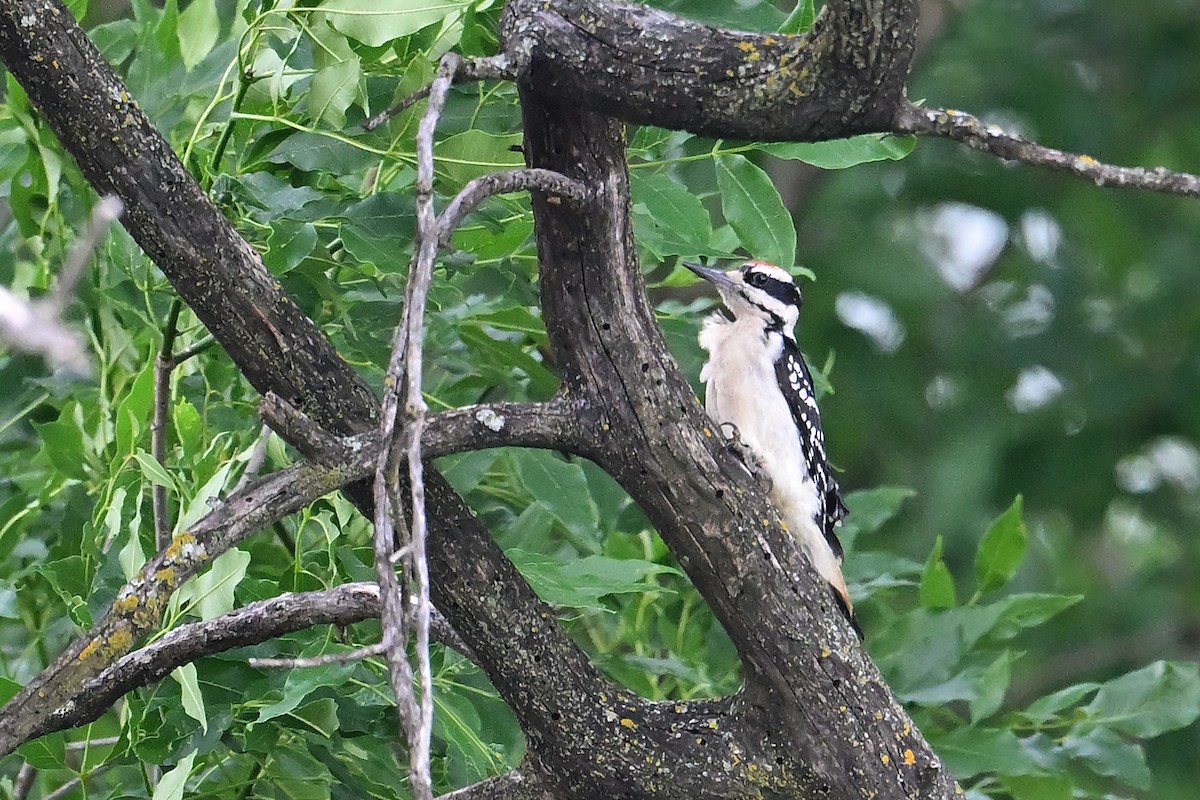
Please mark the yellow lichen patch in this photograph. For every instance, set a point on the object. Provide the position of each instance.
(1087, 161)
(708, 433)
(770, 40)
(825, 651)
(125, 603)
(165, 575)
(747, 47)
(121, 641)
(178, 542)
(626, 722)
(885, 758)
(910, 758)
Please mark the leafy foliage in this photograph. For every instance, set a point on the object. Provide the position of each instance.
(261, 100)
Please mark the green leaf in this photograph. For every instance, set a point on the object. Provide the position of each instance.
(173, 782)
(68, 578)
(45, 752)
(801, 18)
(381, 21)
(289, 244)
(474, 153)
(134, 411)
(869, 509)
(561, 488)
(303, 681)
(1161, 697)
(1002, 549)
(1047, 708)
(320, 715)
(62, 443)
(668, 218)
(336, 82)
(379, 230)
(937, 584)
(844, 153)
(193, 700)
(582, 583)
(990, 686)
(970, 751)
(212, 591)
(1028, 610)
(189, 428)
(1040, 787)
(199, 28)
(1106, 753)
(753, 207)
(153, 471)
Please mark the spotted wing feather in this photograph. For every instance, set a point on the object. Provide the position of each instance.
(796, 382)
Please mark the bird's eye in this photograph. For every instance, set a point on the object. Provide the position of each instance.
(756, 279)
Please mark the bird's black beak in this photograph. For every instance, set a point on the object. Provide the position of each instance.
(714, 276)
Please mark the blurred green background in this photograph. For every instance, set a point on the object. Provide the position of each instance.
(1001, 329)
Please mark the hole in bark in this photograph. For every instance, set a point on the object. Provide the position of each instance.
(720, 493)
(645, 367)
(606, 327)
(554, 715)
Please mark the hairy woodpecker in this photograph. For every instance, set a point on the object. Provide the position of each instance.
(756, 380)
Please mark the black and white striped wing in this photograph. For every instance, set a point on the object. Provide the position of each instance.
(795, 381)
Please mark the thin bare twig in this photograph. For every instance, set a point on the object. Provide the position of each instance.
(391, 530)
(36, 327)
(105, 213)
(358, 654)
(163, 366)
(973, 132)
(480, 189)
(24, 781)
(498, 67)
(258, 457)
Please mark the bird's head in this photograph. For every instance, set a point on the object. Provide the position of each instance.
(759, 290)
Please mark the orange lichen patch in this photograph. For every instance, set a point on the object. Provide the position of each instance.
(708, 433)
(885, 759)
(92, 648)
(910, 758)
(626, 722)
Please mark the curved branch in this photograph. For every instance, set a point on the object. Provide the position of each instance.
(252, 624)
(517, 180)
(973, 132)
(558, 424)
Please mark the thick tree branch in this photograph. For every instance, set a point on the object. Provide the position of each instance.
(807, 678)
(515, 785)
(973, 132)
(845, 76)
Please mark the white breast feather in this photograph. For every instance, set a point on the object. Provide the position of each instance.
(741, 388)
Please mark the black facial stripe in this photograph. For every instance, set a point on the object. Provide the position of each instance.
(775, 323)
(783, 291)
